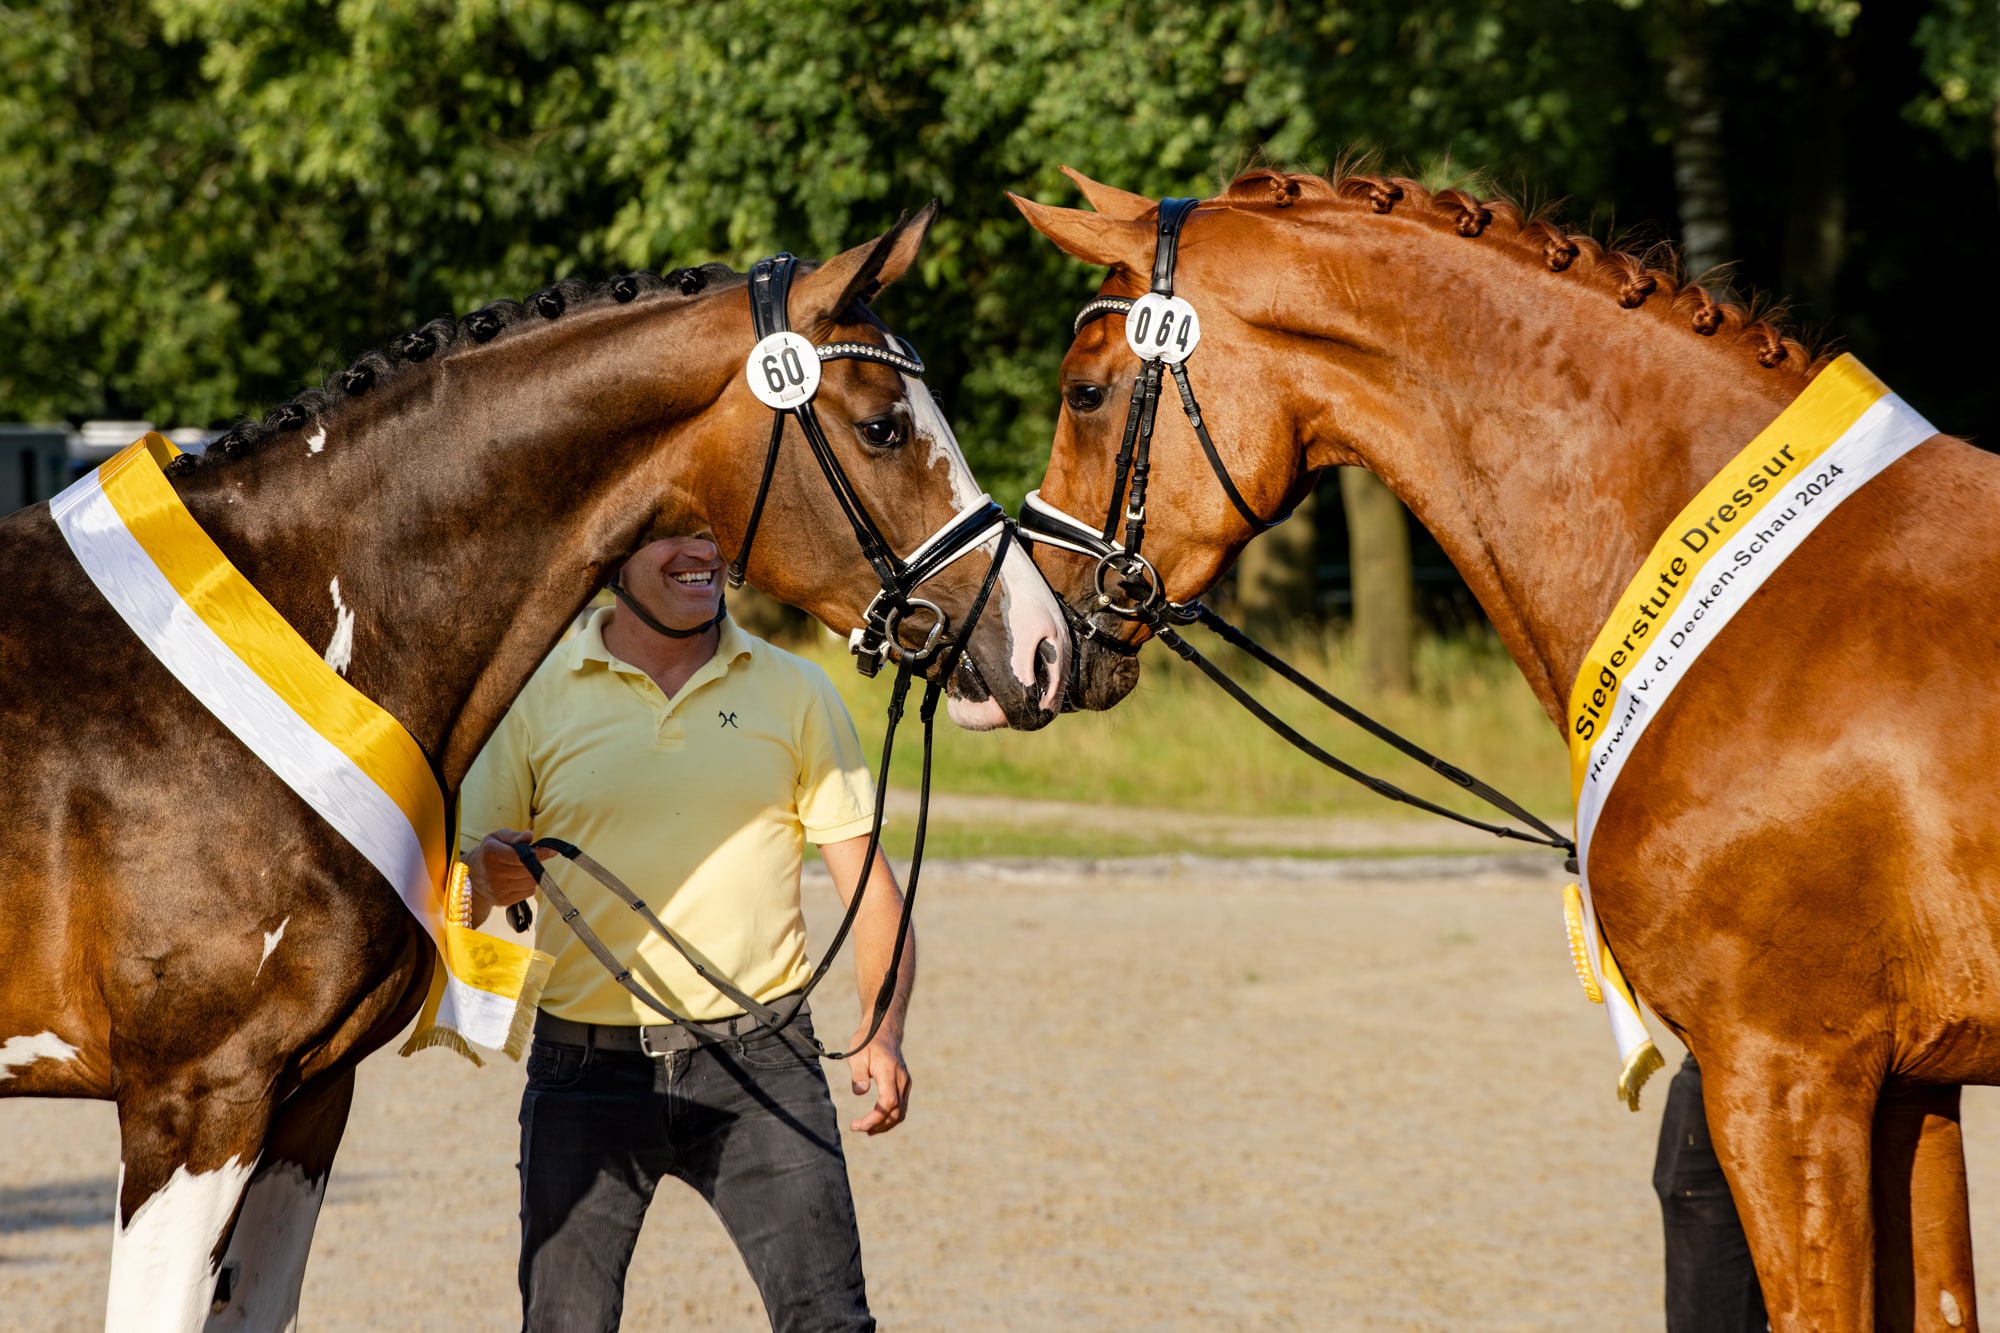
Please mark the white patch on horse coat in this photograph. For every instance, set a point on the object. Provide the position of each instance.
(1948, 1307)
(27, 1050)
(162, 1279)
(340, 652)
(316, 441)
(272, 1239)
(271, 938)
(1028, 608)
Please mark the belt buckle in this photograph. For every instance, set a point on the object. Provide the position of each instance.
(646, 1041)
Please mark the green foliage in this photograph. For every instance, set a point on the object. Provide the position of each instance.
(206, 203)
(1960, 41)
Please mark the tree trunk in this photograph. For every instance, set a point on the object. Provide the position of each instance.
(1816, 228)
(1996, 143)
(1698, 148)
(1274, 575)
(1385, 612)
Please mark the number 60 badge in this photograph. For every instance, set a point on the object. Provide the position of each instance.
(783, 370)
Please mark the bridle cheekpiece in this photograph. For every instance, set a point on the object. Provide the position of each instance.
(1163, 330)
(783, 371)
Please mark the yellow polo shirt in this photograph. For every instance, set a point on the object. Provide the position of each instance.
(702, 803)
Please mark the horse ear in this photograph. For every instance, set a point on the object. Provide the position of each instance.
(820, 297)
(1109, 199)
(1095, 238)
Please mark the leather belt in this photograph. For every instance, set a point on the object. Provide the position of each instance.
(654, 1039)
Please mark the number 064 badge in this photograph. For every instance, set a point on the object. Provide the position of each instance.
(1165, 327)
(783, 370)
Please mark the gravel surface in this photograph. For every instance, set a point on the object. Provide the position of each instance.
(1181, 1094)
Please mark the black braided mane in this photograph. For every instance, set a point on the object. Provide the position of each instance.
(437, 339)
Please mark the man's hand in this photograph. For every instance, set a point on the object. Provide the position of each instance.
(495, 873)
(880, 1064)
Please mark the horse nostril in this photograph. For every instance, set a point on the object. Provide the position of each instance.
(1046, 655)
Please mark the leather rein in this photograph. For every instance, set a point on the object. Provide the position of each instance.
(788, 385)
(1164, 330)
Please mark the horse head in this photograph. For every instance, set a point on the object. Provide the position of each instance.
(1196, 511)
(885, 467)
(489, 473)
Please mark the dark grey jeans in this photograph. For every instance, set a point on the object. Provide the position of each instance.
(753, 1131)
(1711, 1283)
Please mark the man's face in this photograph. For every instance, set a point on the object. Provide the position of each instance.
(677, 579)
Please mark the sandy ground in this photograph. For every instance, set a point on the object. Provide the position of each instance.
(1177, 1095)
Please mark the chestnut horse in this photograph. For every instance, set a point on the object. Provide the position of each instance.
(183, 934)
(1800, 869)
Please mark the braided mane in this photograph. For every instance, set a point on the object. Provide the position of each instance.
(435, 341)
(1627, 277)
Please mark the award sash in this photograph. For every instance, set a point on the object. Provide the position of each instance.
(343, 753)
(1837, 435)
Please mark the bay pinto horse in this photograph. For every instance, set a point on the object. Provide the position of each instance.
(1800, 869)
(183, 934)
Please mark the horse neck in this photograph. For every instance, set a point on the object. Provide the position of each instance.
(1544, 435)
(435, 536)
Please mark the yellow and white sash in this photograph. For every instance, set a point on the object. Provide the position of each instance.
(1845, 428)
(343, 753)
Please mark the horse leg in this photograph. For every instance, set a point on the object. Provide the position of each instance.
(258, 1285)
(265, 1267)
(188, 1148)
(1793, 1132)
(1923, 1228)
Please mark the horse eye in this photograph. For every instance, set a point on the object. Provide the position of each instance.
(882, 432)
(1085, 397)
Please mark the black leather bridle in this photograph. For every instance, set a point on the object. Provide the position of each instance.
(1163, 330)
(876, 641)
(791, 385)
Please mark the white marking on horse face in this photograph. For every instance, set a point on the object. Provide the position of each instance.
(27, 1050)
(1028, 608)
(316, 441)
(270, 1245)
(1948, 1307)
(162, 1274)
(271, 938)
(340, 651)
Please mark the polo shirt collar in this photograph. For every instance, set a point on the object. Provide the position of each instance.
(731, 647)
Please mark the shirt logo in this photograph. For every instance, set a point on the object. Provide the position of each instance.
(728, 719)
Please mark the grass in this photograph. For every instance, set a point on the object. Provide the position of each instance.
(1179, 743)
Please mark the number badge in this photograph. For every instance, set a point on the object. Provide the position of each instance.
(1165, 327)
(783, 370)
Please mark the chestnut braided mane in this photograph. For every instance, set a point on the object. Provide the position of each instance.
(1632, 280)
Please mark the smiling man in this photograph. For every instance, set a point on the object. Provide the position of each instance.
(694, 761)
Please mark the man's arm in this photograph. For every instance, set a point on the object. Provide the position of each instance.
(495, 805)
(881, 1063)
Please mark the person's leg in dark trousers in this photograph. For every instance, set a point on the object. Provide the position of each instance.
(593, 1146)
(1711, 1283)
(756, 1133)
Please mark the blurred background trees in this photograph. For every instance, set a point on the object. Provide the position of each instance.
(206, 203)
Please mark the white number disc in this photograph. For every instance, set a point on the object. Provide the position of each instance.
(1162, 326)
(783, 370)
